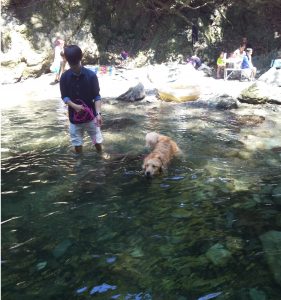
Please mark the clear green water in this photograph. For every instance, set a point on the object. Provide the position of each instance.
(70, 224)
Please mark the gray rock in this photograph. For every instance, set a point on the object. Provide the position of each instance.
(266, 89)
(133, 94)
(271, 242)
(218, 255)
(61, 248)
(226, 102)
(272, 76)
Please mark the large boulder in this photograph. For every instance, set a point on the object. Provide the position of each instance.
(27, 46)
(175, 82)
(272, 76)
(266, 90)
(135, 93)
(174, 92)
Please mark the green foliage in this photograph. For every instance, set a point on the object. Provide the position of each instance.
(163, 27)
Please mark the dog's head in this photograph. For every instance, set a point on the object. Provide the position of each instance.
(152, 166)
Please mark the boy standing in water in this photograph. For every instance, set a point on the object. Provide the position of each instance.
(76, 84)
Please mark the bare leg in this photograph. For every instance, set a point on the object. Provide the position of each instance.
(57, 77)
(62, 68)
(218, 72)
(78, 149)
(98, 147)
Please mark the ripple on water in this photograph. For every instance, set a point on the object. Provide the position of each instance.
(88, 224)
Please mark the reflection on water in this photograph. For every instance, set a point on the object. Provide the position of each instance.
(84, 227)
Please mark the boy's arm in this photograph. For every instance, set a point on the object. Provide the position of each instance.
(65, 97)
(97, 103)
(75, 106)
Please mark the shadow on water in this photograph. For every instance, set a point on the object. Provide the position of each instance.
(78, 227)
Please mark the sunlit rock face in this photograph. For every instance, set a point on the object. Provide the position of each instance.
(28, 40)
(266, 89)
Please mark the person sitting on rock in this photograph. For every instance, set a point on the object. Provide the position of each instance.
(221, 64)
(249, 71)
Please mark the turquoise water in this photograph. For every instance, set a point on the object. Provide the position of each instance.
(93, 228)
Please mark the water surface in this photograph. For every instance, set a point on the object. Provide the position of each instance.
(90, 228)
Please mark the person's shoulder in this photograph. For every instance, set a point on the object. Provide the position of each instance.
(66, 74)
(88, 72)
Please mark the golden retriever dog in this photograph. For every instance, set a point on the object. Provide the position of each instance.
(164, 149)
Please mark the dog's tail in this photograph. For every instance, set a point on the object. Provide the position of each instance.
(151, 139)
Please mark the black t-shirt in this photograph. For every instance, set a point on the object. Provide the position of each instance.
(83, 86)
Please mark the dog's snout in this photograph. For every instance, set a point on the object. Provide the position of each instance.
(148, 174)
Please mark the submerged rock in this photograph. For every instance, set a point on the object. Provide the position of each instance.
(271, 242)
(256, 294)
(276, 194)
(41, 265)
(61, 248)
(249, 120)
(226, 102)
(218, 255)
(119, 123)
(234, 244)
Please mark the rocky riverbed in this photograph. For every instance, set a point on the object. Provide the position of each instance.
(219, 204)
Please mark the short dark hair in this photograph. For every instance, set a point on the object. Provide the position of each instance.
(73, 54)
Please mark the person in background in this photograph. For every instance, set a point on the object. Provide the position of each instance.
(76, 84)
(58, 64)
(124, 55)
(238, 55)
(194, 34)
(195, 61)
(62, 63)
(221, 62)
(244, 42)
(248, 69)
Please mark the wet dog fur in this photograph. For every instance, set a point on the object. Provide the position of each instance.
(164, 149)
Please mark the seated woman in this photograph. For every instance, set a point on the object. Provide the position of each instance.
(249, 71)
(221, 64)
(238, 55)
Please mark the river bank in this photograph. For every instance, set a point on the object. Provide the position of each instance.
(112, 86)
(215, 94)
